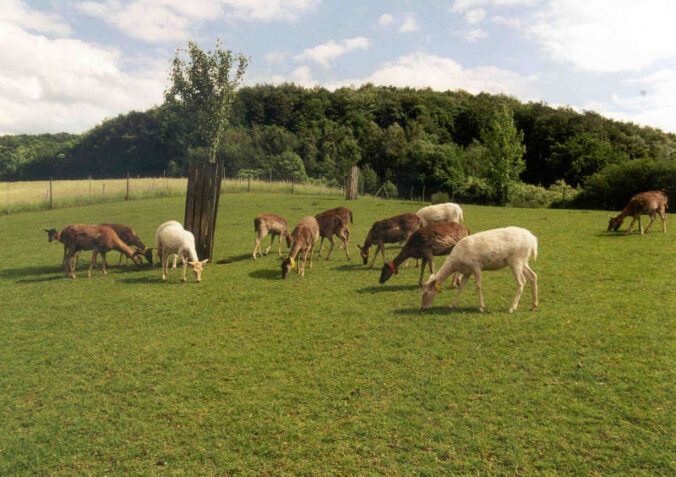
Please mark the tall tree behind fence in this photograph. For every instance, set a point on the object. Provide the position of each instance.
(201, 205)
(352, 184)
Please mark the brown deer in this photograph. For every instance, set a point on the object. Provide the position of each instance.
(645, 203)
(426, 243)
(345, 214)
(98, 238)
(274, 225)
(331, 224)
(395, 229)
(129, 236)
(303, 239)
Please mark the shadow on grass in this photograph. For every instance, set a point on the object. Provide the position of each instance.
(267, 274)
(237, 258)
(11, 273)
(353, 267)
(436, 310)
(149, 280)
(387, 288)
(43, 279)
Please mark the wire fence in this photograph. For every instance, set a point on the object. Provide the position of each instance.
(37, 195)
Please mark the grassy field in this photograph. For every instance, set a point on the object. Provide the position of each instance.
(333, 373)
(34, 195)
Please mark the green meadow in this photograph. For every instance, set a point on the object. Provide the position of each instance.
(333, 373)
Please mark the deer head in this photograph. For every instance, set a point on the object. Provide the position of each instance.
(430, 290)
(614, 224)
(388, 270)
(364, 252)
(52, 234)
(197, 267)
(287, 265)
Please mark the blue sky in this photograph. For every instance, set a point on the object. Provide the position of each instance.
(68, 65)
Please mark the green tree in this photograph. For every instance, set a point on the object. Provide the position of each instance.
(505, 150)
(203, 88)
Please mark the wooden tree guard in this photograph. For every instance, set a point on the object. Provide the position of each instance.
(352, 185)
(201, 205)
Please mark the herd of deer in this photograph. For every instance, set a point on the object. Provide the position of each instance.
(432, 231)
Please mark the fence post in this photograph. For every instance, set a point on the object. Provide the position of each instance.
(103, 192)
(423, 196)
(50, 192)
(90, 188)
(293, 181)
(9, 208)
(248, 184)
(127, 196)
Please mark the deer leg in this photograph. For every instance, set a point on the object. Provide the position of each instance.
(345, 237)
(477, 278)
(653, 216)
(328, 255)
(532, 276)
(272, 240)
(312, 249)
(279, 246)
(165, 263)
(375, 254)
(382, 252)
(91, 265)
(175, 258)
(663, 215)
(185, 266)
(302, 268)
(422, 271)
(463, 282)
(257, 246)
(321, 245)
(631, 226)
(105, 263)
(119, 262)
(520, 282)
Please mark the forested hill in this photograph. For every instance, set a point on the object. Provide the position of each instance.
(409, 137)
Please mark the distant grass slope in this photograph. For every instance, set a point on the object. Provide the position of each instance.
(334, 373)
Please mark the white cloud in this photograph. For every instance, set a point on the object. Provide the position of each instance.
(421, 70)
(325, 53)
(606, 35)
(385, 20)
(653, 103)
(510, 22)
(17, 13)
(409, 24)
(68, 85)
(301, 76)
(276, 57)
(169, 20)
(461, 6)
(475, 16)
(472, 35)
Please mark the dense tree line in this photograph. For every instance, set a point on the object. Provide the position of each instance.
(400, 137)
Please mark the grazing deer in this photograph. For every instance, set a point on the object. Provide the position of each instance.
(129, 236)
(395, 229)
(98, 238)
(345, 214)
(274, 225)
(434, 214)
(646, 203)
(303, 238)
(331, 224)
(488, 250)
(426, 243)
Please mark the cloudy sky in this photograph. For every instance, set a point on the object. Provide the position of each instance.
(66, 65)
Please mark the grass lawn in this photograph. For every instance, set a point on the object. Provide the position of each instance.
(333, 373)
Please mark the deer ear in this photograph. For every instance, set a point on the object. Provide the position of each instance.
(205, 261)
